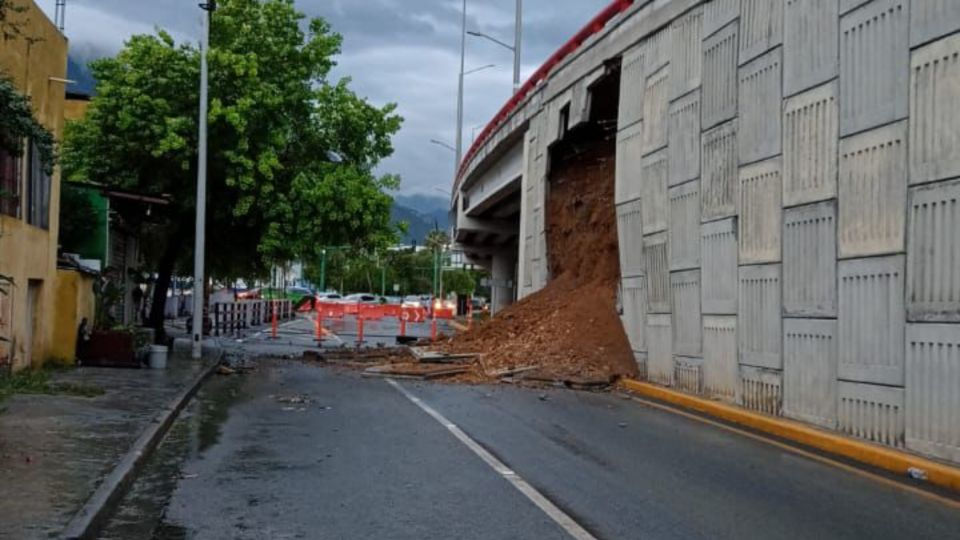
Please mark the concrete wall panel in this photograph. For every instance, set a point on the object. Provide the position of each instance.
(629, 166)
(719, 13)
(873, 51)
(656, 257)
(634, 292)
(656, 104)
(684, 230)
(761, 390)
(688, 374)
(686, 324)
(873, 192)
(631, 87)
(659, 356)
(931, 19)
(684, 138)
(933, 390)
(872, 320)
(655, 173)
(760, 212)
(810, 371)
(810, 145)
(810, 39)
(761, 27)
(870, 412)
(686, 55)
(810, 260)
(630, 235)
(933, 260)
(760, 96)
(759, 329)
(720, 172)
(642, 370)
(720, 76)
(934, 98)
(718, 252)
(720, 365)
(656, 52)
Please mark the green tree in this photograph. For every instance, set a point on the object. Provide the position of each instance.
(274, 118)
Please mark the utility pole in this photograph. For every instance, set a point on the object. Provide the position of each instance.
(463, 56)
(323, 270)
(517, 46)
(199, 281)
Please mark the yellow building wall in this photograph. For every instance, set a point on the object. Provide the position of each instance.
(75, 301)
(75, 109)
(26, 252)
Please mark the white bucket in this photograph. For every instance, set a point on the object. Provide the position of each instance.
(158, 357)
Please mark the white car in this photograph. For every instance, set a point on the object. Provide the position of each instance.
(361, 298)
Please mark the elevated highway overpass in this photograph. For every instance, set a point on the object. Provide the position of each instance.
(787, 196)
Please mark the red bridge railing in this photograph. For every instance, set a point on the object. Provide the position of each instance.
(594, 26)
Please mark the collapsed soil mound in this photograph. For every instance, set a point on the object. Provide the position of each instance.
(570, 328)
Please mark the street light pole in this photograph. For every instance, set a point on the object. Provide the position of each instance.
(463, 56)
(199, 281)
(323, 270)
(517, 46)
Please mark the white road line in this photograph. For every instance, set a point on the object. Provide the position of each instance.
(553, 512)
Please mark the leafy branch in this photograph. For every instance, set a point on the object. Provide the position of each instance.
(17, 124)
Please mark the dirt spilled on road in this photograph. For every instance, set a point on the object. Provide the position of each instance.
(570, 329)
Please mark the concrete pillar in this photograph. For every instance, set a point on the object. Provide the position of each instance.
(503, 280)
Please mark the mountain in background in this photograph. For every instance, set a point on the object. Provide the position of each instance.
(422, 213)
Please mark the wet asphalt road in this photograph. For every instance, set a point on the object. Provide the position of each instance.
(360, 460)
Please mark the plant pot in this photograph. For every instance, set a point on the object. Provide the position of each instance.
(110, 348)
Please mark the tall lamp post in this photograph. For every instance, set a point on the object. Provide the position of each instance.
(199, 282)
(463, 57)
(517, 46)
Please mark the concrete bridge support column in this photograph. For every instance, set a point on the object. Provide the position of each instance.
(503, 282)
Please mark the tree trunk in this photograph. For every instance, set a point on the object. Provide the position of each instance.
(165, 269)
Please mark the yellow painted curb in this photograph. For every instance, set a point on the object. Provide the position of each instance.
(871, 454)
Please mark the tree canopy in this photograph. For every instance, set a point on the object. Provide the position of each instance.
(273, 193)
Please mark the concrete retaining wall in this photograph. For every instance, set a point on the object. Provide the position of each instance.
(795, 170)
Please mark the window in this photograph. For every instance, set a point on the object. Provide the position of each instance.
(9, 184)
(38, 194)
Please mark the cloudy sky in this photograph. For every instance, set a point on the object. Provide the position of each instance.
(403, 51)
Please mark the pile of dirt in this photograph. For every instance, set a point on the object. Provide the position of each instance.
(570, 328)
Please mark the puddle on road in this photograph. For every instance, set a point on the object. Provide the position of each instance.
(140, 514)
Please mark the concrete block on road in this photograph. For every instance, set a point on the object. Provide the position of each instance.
(871, 412)
(810, 39)
(935, 97)
(759, 330)
(810, 145)
(760, 97)
(761, 390)
(933, 259)
(656, 257)
(720, 75)
(684, 231)
(873, 192)
(685, 297)
(718, 252)
(871, 325)
(720, 172)
(684, 139)
(933, 390)
(810, 371)
(760, 212)
(630, 236)
(873, 52)
(720, 364)
(810, 260)
(654, 191)
(660, 354)
(761, 27)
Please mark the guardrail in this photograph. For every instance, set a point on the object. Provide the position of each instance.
(594, 26)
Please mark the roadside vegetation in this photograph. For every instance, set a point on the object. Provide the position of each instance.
(38, 381)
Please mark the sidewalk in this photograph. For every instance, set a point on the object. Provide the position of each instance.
(56, 450)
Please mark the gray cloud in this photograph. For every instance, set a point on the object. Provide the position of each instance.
(403, 51)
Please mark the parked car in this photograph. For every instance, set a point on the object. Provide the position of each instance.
(361, 298)
(331, 297)
(249, 294)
